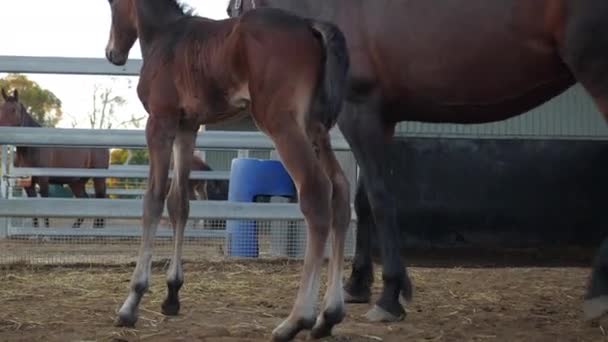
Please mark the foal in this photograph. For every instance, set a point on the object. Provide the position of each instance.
(290, 74)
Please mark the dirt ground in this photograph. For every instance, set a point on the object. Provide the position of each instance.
(245, 300)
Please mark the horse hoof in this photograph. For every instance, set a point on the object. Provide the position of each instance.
(170, 308)
(325, 323)
(356, 299)
(125, 320)
(287, 330)
(378, 314)
(595, 308)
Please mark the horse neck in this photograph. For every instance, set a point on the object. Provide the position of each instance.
(28, 120)
(26, 154)
(153, 18)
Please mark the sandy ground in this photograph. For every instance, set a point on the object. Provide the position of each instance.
(245, 300)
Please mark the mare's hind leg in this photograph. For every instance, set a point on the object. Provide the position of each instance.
(358, 286)
(160, 133)
(369, 138)
(100, 192)
(43, 183)
(31, 192)
(333, 308)
(79, 191)
(314, 192)
(178, 208)
(585, 51)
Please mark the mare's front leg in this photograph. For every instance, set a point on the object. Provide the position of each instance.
(178, 207)
(586, 53)
(160, 133)
(369, 137)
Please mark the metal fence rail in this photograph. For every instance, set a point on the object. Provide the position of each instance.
(68, 66)
(132, 209)
(76, 137)
(115, 172)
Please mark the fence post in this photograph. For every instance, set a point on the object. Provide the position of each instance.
(4, 188)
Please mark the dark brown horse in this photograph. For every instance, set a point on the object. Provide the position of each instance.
(13, 113)
(449, 61)
(290, 73)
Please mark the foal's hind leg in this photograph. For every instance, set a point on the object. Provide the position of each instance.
(314, 191)
(159, 136)
(178, 208)
(333, 307)
(358, 286)
(369, 138)
(585, 51)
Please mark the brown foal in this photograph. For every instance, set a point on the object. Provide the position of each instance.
(290, 74)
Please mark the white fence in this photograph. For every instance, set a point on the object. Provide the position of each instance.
(60, 208)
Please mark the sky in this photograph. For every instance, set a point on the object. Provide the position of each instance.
(75, 28)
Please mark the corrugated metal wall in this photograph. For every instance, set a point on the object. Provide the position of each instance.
(570, 115)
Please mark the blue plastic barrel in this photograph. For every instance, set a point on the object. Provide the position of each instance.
(250, 178)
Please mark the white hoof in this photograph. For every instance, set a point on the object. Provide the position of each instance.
(377, 314)
(595, 307)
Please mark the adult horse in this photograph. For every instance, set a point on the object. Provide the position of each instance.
(13, 113)
(449, 61)
(290, 74)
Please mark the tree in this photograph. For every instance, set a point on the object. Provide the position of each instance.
(105, 104)
(41, 103)
(120, 156)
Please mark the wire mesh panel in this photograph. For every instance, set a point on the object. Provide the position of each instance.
(118, 241)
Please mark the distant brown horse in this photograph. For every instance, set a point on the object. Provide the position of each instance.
(13, 113)
(203, 189)
(452, 61)
(290, 74)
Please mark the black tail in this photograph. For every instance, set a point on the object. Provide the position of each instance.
(331, 90)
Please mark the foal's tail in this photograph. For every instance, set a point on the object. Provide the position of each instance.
(331, 90)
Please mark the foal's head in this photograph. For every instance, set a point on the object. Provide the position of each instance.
(123, 32)
(11, 111)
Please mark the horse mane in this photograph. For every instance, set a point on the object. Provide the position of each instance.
(154, 15)
(173, 6)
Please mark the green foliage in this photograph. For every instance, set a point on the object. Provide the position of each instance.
(41, 103)
(120, 156)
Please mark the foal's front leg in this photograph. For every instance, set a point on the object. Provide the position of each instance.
(178, 207)
(159, 135)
